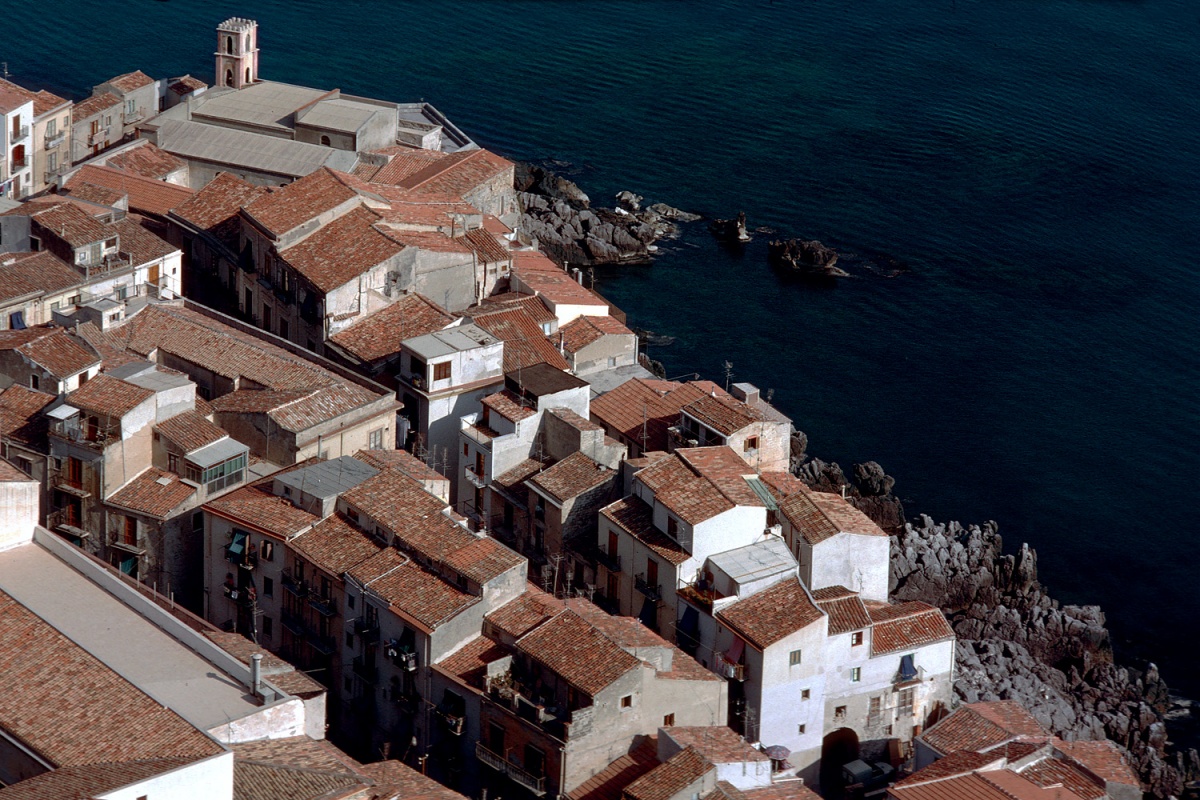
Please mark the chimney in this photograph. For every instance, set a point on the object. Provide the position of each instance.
(256, 674)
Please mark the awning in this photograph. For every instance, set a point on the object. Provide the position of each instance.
(908, 670)
(62, 412)
(215, 453)
(238, 545)
(16, 321)
(734, 654)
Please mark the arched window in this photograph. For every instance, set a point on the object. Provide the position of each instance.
(247, 75)
(229, 44)
(229, 77)
(325, 141)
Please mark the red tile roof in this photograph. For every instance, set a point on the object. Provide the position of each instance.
(296, 203)
(147, 161)
(671, 777)
(43, 101)
(342, 250)
(255, 505)
(335, 545)
(1049, 772)
(818, 516)
(190, 431)
(147, 195)
(488, 250)
(395, 579)
(962, 762)
(397, 779)
(577, 652)
(87, 781)
(130, 81)
(718, 744)
(402, 461)
(507, 405)
(54, 689)
(979, 726)
(582, 331)
(91, 193)
(108, 397)
(574, 420)
(456, 174)
(844, 607)
(636, 517)
(1102, 758)
(187, 84)
(406, 163)
(725, 415)
(518, 617)
(766, 617)
(52, 349)
(784, 790)
(434, 241)
(542, 276)
(610, 782)
(154, 493)
(903, 626)
(642, 410)
(531, 304)
(963, 787)
(67, 222)
(574, 475)
(21, 417)
(215, 207)
(469, 662)
(699, 483)
(378, 336)
(93, 105)
(141, 245)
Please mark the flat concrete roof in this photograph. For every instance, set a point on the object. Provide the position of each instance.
(755, 561)
(328, 479)
(123, 640)
(338, 114)
(267, 104)
(255, 152)
(449, 341)
(157, 381)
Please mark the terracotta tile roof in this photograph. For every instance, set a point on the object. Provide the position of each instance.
(292, 205)
(378, 336)
(295, 751)
(456, 174)
(1102, 758)
(43, 101)
(642, 410)
(717, 744)
(406, 163)
(97, 195)
(38, 273)
(141, 245)
(507, 405)
(725, 415)
(699, 483)
(979, 726)
(724, 469)
(88, 781)
(818, 516)
(95, 104)
(215, 207)
(782, 484)
(11, 100)
(108, 397)
(635, 516)
(130, 81)
(524, 342)
(145, 194)
(335, 545)
(397, 779)
(577, 652)
(258, 781)
(844, 607)
(59, 353)
(574, 475)
(274, 669)
(494, 226)
(54, 689)
(582, 331)
(257, 506)
(21, 417)
(340, 251)
(425, 597)
(903, 626)
(190, 431)
(963, 787)
(1018, 786)
(154, 493)
(784, 790)
(608, 783)
(574, 420)
(1050, 772)
(147, 161)
(405, 212)
(488, 250)
(69, 223)
(518, 617)
(529, 303)
(402, 461)
(469, 662)
(187, 84)
(434, 241)
(962, 762)
(483, 560)
(542, 276)
(671, 777)
(766, 617)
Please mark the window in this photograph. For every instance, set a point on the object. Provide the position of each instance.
(130, 107)
(283, 328)
(122, 292)
(375, 439)
(173, 462)
(266, 550)
(52, 162)
(267, 627)
(350, 601)
(129, 534)
(874, 712)
(349, 643)
(669, 720)
(800, 729)
(191, 472)
(627, 701)
(466, 450)
(856, 639)
(198, 522)
(266, 317)
(806, 694)
(227, 473)
(441, 372)
(33, 381)
(16, 320)
(839, 713)
(325, 141)
(25, 465)
(904, 703)
(750, 445)
(51, 128)
(672, 527)
(855, 674)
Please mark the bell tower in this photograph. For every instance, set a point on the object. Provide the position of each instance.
(237, 53)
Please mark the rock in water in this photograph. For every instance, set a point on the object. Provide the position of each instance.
(670, 212)
(629, 201)
(805, 257)
(730, 230)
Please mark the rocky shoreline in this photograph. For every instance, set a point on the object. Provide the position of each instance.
(1014, 640)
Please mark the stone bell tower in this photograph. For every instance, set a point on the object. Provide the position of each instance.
(237, 53)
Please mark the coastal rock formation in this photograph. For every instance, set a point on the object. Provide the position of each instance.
(870, 493)
(559, 215)
(1016, 642)
(730, 230)
(807, 258)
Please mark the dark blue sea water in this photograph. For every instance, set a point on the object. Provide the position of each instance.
(1034, 163)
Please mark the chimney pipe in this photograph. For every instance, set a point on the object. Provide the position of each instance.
(256, 674)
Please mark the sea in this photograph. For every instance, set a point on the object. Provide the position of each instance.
(1014, 187)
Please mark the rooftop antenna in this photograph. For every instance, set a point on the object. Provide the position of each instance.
(4, 69)
(728, 373)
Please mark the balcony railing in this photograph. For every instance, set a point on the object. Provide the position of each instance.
(72, 486)
(96, 437)
(701, 593)
(535, 784)
(326, 645)
(730, 670)
(611, 562)
(294, 584)
(19, 132)
(401, 656)
(322, 603)
(66, 522)
(367, 628)
(20, 163)
(54, 140)
(366, 670)
(293, 622)
(652, 591)
(476, 479)
(246, 560)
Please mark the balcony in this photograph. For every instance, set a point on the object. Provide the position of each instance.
(367, 628)
(530, 781)
(653, 592)
(240, 596)
(20, 163)
(19, 132)
(408, 702)
(93, 436)
(702, 594)
(730, 670)
(611, 562)
(294, 623)
(322, 603)
(402, 656)
(245, 560)
(69, 485)
(66, 521)
(475, 478)
(97, 137)
(54, 140)
(367, 671)
(325, 645)
(294, 584)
